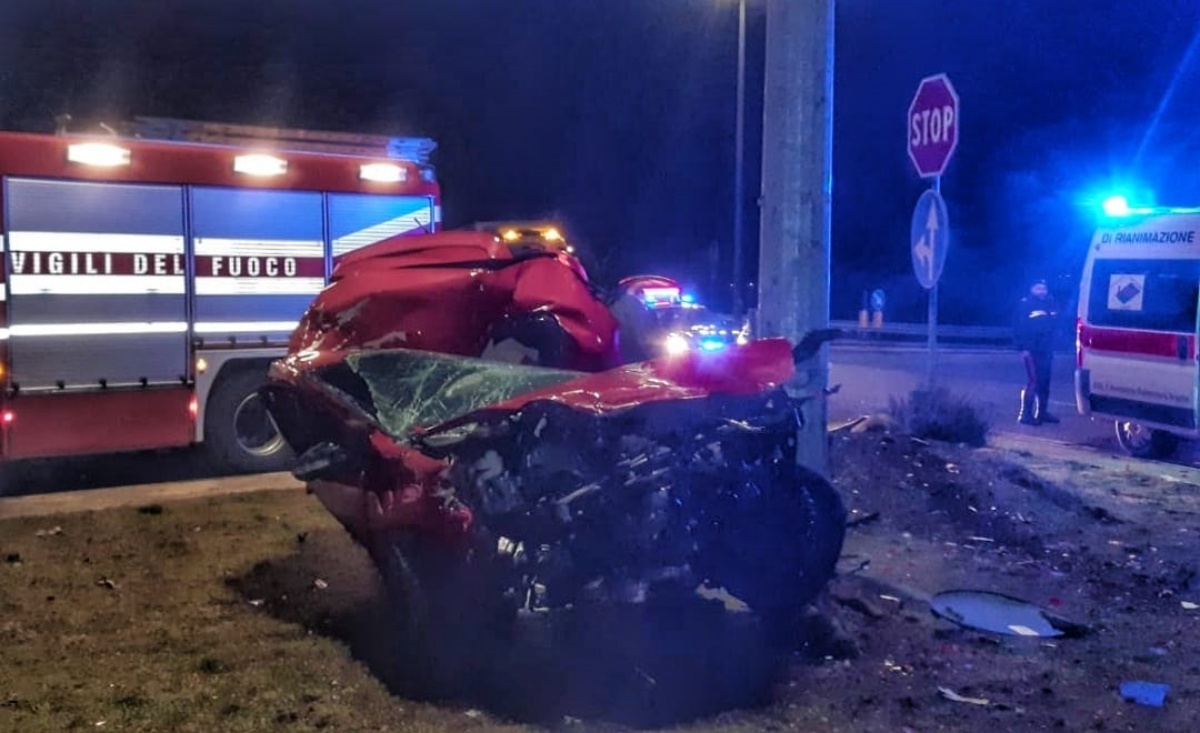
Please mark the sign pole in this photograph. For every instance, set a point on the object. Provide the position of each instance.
(933, 311)
(932, 129)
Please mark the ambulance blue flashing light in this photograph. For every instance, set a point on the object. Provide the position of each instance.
(1116, 206)
(688, 298)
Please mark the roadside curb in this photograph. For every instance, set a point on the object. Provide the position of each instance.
(89, 500)
(1053, 450)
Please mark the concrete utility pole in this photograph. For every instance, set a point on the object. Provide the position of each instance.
(797, 192)
(739, 194)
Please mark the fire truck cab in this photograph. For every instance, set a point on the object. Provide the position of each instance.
(1136, 359)
(151, 276)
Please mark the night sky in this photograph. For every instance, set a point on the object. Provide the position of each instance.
(617, 115)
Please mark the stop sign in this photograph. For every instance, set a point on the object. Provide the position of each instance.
(933, 125)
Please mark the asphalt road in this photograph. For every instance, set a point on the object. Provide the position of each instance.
(870, 376)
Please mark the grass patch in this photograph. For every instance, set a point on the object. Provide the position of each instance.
(938, 414)
(171, 644)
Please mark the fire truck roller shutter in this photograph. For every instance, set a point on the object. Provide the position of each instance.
(260, 260)
(97, 280)
(357, 220)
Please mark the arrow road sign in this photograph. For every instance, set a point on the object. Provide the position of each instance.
(877, 300)
(930, 238)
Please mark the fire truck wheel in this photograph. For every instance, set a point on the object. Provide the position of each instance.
(239, 433)
(1140, 441)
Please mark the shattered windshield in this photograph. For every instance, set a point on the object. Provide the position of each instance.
(405, 389)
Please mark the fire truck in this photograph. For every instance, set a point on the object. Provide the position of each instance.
(152, 274)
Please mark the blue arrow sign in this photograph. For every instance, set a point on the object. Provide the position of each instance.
(877, 300)
(930, 238)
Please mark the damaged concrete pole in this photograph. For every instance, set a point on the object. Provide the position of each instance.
(797, 191)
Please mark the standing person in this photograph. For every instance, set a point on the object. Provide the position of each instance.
(1033, 335)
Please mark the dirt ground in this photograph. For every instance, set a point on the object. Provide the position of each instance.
(255, 612)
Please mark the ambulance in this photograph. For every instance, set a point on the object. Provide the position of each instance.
(1136, 359)
(152, 273)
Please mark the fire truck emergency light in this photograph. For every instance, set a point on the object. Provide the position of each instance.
(382, 173)
(512, 235)
(102, 155)
(552, 235)
(258, 164)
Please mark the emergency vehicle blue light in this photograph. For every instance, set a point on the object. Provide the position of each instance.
(712, 344)
(1116, 206)
(688, 298)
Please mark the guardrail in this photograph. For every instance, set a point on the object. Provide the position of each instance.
(919, 333)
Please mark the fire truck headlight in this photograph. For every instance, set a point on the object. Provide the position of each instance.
(259, 164)
(676, 345)
(102, 155)
(382, 173)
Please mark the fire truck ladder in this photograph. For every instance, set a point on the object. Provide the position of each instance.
(414, 149)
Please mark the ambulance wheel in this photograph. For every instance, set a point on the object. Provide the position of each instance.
(239, 432)
(1140, 441)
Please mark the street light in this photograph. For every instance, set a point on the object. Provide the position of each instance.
(739, 161)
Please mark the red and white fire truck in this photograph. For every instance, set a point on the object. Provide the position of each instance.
(152, 275)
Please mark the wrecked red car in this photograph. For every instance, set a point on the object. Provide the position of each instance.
(469, 413)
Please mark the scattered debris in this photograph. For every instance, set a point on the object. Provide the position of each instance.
(953, 696)
(320, 584)
(13, 558)
(880, 423)
(850, 599)
(256, 602)
(52, 532)
(153, 509)
(848, 425)
(865, 519)
(473, 713)
(106, 583)
(1151, 694)
(903, 669)
(1001, 614)
(953, 468)
(1189, 606)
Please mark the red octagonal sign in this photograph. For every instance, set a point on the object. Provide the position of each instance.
(933, 125)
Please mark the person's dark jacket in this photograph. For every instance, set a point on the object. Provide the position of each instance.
(1034, 324)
